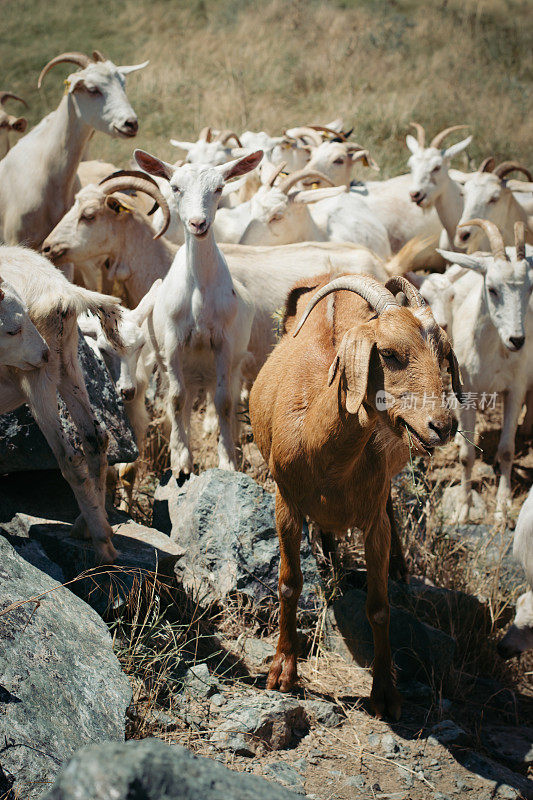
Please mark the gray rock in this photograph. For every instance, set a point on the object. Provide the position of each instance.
(141, 551)
(447, 733)
(419, 651)
(23, 446)
(224, 522)
(511, 744)
(390, 745)
(356, 781)
(495, 776)
(199, 683)
(327, 714)
(152, 770)
(62, 686)
(260, 723)
(258, 652)
(450, 501)
(285, 774)
(490, 552)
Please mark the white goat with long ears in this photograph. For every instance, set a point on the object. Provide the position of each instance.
(202, 318)
(8, 122)
(519, 637)
(431, 184)
(487, 195)
(492, 333)
(38, 176)
(212, 149)
(53, 305)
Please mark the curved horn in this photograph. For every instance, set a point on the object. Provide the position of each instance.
(304, 131)
(225, 135)
(70, 58)
(420, 133)
(10, 96)
(493, 235)
(370, 290)
(140, 184)
(130, 173)
(440, 137)
(520, 240)
(97, 56)
(487, 165)
(279, 169)
(400, 284)
(295, 177)
(336, 134)
(506, 167)
(206, 134)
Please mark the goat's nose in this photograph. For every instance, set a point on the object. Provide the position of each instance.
(517, 341)
(415, 195)
(53, 251)
(197, 224)
(443, 428)
(131, 125)
(464, 236)
(128, 394)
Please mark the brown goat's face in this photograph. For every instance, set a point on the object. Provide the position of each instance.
(405, 384)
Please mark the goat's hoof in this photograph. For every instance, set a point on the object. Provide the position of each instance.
(105, 551)
(283, 673)
(386, 701)
(80, 530)
(398, 569)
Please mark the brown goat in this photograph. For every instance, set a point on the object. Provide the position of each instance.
(333, 448)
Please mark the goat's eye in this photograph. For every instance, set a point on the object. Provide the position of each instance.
(93, 90)
(391, 358)
(339, 161)
(219, 190)
(176, 189)
(436, 169)
(493, 292)
(88, 216)
(493, 200)
(14, 333)
(276, 218)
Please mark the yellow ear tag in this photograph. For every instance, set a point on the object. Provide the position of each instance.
(67, 86)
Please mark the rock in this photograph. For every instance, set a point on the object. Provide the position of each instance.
(419, 651)
(327, 714)
(258, 652)
(23, 446)
(152, 770)
(142, 551)
(489, 551)
(199, 683)
(511, 744)
(417, 692)
(259, 723)
(224, 522)
(286, 775)
(496, 776)
(62, 686)
(391, 746)
(356, 781)
(450, 501)
(448, 733)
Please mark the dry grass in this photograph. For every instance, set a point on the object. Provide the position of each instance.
(234, 63)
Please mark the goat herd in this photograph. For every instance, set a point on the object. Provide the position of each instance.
(205, 253)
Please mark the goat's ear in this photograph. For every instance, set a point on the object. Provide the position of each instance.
(313, 195)
(182, 145)
(18, 124)
(241, 165)
(153, 165)
(117, 206)
(293, 309)
(353, 360)
(463, 260)
(452, 151)
(412, 144)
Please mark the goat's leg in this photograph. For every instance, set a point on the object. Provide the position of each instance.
(526, 428)
(512, 405)
(283, 671)
(467, 454)
(180, 452)
(397, 566)
(385, 697)
(225, 402)
(210, 424)
(42, 400)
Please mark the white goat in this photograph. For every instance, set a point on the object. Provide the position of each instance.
(431, 183)
(202, 319)
(438, 290)
(519, 637)
(54, 305)
(212, 149)
(492, 321)
(38, 175)
(8, 122)
(486, 195)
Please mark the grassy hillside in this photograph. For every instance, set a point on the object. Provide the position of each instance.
(239, 63)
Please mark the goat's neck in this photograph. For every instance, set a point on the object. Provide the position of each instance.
(68, 136)
(145, 258)
(308, 229)
(449, 206)
(512, 212)
(203, 259)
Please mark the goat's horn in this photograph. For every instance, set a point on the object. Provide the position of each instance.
(295, 177)
(98, 56)
(520, 240)
(130, 173)
(453, 369)
(224, 137)
(325, 129)
(493, 235)
(302, 132)
(71, 58)
(487, 165)
(10, 96)
(506, 167)
(206, 135)
(420, 133)
(279, 169)
(440, 137)
(370, 290)
(140, 184)
(400, 284)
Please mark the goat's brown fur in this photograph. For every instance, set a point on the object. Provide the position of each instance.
(334, 466)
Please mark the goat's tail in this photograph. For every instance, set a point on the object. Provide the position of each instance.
(418, 253)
